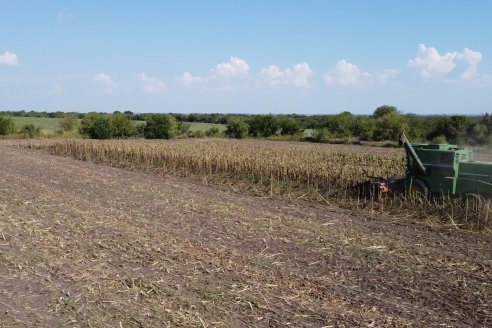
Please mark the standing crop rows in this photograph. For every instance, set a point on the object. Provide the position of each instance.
(318, 166)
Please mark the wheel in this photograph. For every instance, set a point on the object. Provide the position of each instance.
(397, 185)
(418, 189)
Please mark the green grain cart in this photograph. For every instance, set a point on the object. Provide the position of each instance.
(444, 170)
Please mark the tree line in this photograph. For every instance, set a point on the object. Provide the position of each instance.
(384, 124)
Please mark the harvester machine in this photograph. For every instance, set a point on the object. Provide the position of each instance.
(442, 169)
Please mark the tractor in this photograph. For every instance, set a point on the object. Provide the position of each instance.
(442, 169)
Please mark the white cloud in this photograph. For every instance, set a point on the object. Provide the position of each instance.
(9, 59)
(235, 67)
(150, 84)
(106, 82)
(472, 58)
(387, 75)
(188, 80)
(430, 63)
(62, 17)
(297, 76)
(345, 74)
(57, 89)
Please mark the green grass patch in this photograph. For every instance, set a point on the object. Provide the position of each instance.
(198, 126)
(50, 125)
(46, 124)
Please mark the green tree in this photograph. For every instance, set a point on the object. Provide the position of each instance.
(102, 128)
(6, 126)
(339, 125)
(289, 126)
(236, 128)
(385, 110)
(68, 122)
(160, 127)
(479, 133)
(87, 124)
(452, 128)
(389, 123)
(122, 127)
(263, 126)
(363, 128)
(96, 126)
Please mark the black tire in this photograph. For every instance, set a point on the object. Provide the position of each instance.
(397, 185)
(418, 188)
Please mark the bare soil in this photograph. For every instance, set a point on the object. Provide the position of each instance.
(86, 245)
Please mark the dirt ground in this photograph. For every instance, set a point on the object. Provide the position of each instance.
(86, 245)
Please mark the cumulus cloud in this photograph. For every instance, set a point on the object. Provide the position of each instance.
(235, 67)
(430, 63)
(150, 84)
(9, 59)
(297, 76)
(188, 80)
(345, 74)
(106, 82)
(472, 59)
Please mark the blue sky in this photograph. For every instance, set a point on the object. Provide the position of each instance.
(306, 57)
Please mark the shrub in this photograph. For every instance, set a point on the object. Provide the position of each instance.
(6, 126)
(102, 128)
(68, 122)
(321, 135)
(196, 134)
(184, 127)
(160, 127)
(30, 131)
(289, 126)
(212, 132)
(263, 126)
(122, 127)
(236, 128)
(96, 126)
(440, 139)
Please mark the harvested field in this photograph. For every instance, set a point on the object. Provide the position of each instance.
(87, 245)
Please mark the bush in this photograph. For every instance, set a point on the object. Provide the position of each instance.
(196, 134)
(440, 139)
(263, 126)
(102, 128)
(321, 135)
(96, 126)
(68, 122)
(122, 127)
(30, 131)
(6, 126)
(212, 132)
(184, 127)
(236, 128)
(389, 127)
(160, 127)
(289, 126)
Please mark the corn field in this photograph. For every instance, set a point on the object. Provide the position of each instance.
(328, 172)
(317, 166)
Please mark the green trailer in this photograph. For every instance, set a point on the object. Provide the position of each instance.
(445, 170)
